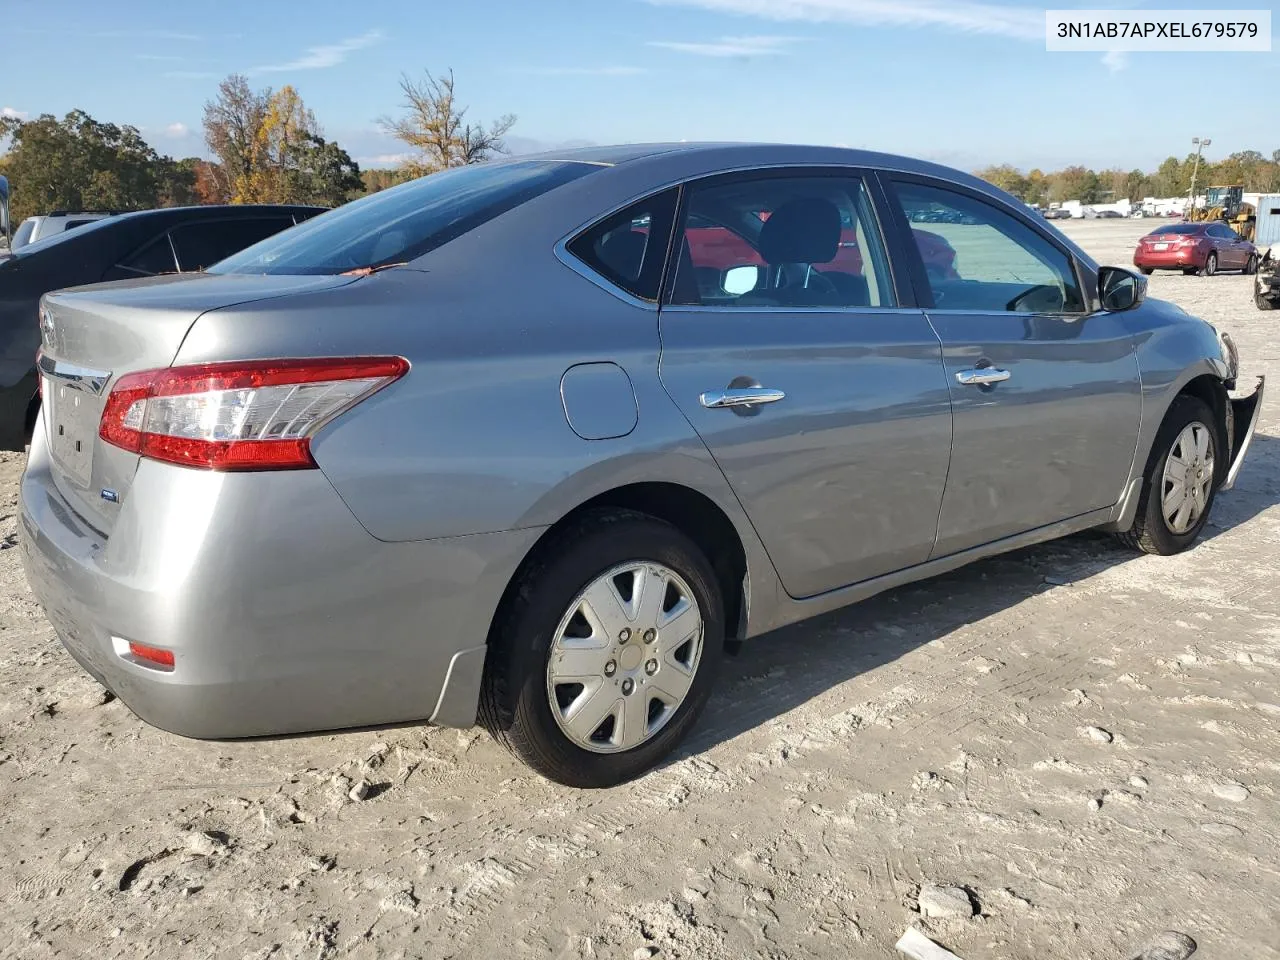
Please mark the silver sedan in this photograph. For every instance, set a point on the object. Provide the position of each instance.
(532, 441)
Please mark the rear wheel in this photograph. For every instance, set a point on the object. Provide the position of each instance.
(1180, 482)
(1147, 271)
(1189, 271)
(1210, 265)
(1251, 267)
(608, 651)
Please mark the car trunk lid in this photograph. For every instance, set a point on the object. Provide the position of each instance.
(91, 336)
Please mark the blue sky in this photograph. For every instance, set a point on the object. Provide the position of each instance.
(965, 83)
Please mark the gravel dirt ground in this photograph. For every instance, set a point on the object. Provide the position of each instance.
(1082, 740)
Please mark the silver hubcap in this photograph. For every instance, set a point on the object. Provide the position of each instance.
(1188, 478)
(624, 657)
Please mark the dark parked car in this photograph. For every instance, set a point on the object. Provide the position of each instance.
(1203, 248)
(129, 246)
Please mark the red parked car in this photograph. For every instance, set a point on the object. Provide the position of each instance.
(1203, 248)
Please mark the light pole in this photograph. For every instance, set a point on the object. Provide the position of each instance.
(1201, 143)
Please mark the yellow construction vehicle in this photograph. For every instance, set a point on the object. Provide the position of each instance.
(1226, 203)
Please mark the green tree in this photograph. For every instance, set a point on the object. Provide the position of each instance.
(1007, 178)
(321, 172)
(375, 180)
(1076, 183)
(77, 163)
(270, 149)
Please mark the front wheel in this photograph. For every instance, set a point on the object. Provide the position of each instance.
(1251, 267)
(1264, 303)
(1180, 482)
(1210, 265)
(607, 652)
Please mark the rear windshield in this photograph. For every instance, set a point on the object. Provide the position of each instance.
(400, 224)
(1177, 228)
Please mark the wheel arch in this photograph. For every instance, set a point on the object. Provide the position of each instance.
(1203, 382)
(692, 512)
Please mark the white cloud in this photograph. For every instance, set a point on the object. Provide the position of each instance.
(1022, 23)
(1115, 60)
(325, 56)
(177, 130)
(384, 160)
(614, 71)
(730, 46)
(11, 114)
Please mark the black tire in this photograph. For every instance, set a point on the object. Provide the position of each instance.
(1251, 267)
(514, 704)
(1264, 303)
(1150, 532)
(1210, 265)
(1189, 271)
(1147, 271)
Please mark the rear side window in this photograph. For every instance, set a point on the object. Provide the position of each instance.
(629, 248)
(405, 222)
(780, 241)
(201, 245)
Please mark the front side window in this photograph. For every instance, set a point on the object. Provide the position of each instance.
(1000, 264)
(403, 223)
(782, 242)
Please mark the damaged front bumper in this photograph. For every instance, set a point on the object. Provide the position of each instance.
(1242, 421)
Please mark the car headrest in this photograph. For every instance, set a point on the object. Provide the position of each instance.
(805, 230)
(623, 252)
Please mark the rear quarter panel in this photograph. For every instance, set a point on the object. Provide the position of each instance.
(474, 439)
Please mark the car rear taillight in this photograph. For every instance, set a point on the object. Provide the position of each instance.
(241, 415)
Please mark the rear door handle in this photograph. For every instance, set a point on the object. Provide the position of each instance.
(982, 376)
(740, 397)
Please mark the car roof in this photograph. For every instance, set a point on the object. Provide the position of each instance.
(733, 153)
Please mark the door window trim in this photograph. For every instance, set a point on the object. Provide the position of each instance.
(121, 264)
(924, 291)
(897, 280)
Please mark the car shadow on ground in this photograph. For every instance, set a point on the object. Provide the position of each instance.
(780, 671)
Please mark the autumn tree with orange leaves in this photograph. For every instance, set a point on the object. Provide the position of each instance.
(270, 149)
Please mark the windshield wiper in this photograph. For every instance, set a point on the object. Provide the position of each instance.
(369, 271)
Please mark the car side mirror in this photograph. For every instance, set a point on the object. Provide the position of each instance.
(1120, 289)
(740, 280)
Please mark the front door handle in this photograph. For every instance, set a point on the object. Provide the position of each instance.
(740, 397)
(982, 376)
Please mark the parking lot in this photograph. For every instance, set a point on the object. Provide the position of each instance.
(1083, 739)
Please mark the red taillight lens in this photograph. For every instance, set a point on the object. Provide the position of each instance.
(242, 415)
(161, 658)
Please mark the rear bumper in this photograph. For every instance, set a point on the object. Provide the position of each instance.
(283, 614)
(1244, 421)
(1169, 259)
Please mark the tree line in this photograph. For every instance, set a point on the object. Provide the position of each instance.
(1172, 178)
(266, 147)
